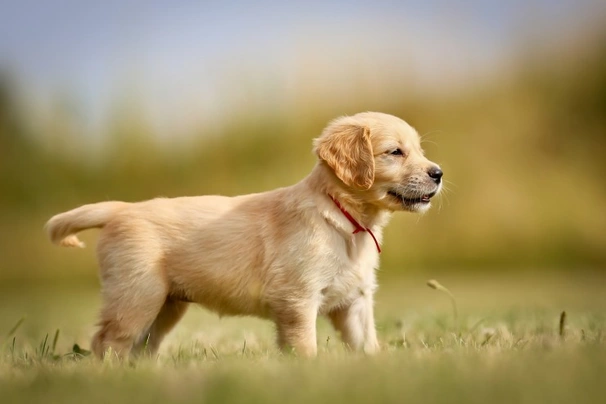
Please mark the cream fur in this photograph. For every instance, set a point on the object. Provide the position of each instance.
(287, 255)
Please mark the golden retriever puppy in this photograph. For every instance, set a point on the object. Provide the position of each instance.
(287, 255)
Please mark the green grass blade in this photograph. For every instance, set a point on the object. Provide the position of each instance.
(15, 327)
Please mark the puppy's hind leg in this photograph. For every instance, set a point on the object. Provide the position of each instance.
(172, 311)
(133, 293)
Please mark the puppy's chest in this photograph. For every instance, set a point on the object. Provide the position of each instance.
(347, 280)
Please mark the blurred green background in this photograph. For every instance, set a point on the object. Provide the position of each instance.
(135, 101)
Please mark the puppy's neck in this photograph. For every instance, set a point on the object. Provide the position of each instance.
(323, 181)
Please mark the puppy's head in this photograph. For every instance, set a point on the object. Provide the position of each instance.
(378, 157)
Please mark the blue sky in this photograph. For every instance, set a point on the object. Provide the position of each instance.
(174, 52)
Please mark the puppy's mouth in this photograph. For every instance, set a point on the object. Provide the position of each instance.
(423, 199)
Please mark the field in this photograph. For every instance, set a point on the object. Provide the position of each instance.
(508, 344)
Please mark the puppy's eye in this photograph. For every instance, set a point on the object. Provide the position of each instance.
(397, 152)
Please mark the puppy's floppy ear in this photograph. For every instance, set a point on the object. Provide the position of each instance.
(346, 148)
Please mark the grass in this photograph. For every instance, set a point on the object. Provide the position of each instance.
(511, 342)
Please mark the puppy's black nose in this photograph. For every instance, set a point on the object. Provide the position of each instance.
(436, 174)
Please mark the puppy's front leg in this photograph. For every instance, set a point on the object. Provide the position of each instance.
(297, 329)
(356, 323)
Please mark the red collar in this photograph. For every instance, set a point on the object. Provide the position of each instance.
(358, 226)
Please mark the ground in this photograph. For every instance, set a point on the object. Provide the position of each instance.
(508, 344)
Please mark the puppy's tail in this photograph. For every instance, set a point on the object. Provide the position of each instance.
(62, 228)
